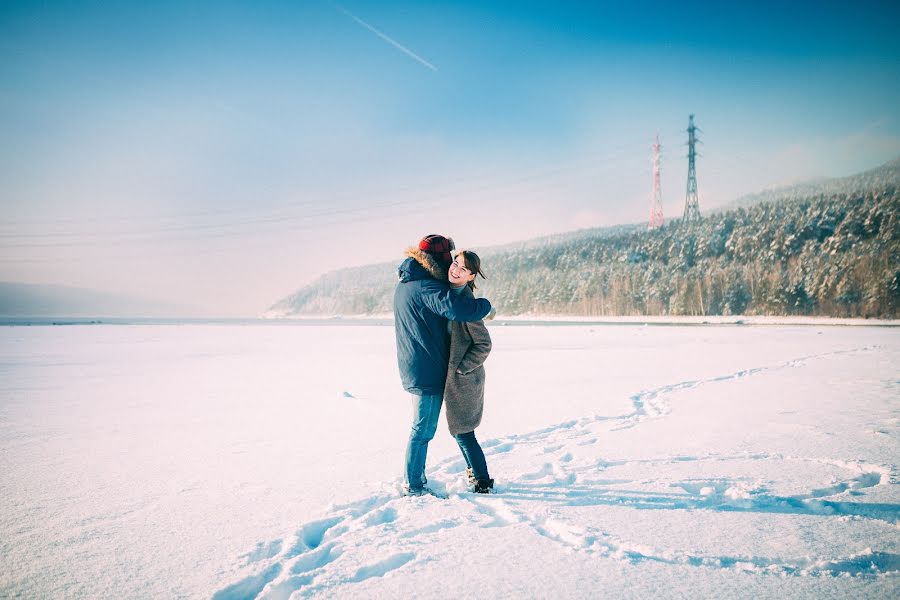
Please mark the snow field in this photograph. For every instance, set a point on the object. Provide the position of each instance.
(747, 513)
(264, 462)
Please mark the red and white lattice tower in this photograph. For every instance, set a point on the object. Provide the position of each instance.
(656, 212)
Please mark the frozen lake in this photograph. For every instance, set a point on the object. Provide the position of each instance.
(236, 460)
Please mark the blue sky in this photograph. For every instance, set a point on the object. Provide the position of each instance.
(226, 153)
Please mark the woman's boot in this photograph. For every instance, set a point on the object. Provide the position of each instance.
(484, 486)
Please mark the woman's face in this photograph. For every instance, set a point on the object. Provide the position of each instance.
(458, 273)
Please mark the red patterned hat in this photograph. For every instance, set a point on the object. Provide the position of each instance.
(439, 247)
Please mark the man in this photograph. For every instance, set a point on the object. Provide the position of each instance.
(423, 302)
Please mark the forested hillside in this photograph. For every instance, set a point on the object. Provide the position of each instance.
(828, 254)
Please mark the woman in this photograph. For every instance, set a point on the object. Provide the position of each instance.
(470, 344)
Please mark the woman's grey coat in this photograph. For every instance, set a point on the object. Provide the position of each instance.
(470, 344)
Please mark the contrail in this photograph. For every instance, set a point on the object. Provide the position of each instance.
(390, 41)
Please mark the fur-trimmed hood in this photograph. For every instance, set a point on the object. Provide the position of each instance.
(428, 262)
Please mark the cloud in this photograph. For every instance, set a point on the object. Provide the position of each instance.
(841, 155)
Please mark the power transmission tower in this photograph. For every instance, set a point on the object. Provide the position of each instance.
(656, 212)
(691, 201)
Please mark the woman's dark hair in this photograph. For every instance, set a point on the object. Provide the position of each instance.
(472, 263)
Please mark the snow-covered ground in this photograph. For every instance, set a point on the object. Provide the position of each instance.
(236, 461)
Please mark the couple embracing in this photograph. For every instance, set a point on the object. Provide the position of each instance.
(442, 343)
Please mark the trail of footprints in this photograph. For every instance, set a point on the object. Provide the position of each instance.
(319, 557)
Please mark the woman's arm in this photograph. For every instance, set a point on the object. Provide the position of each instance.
(478, 351)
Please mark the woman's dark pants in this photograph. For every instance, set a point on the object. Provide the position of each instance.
(473, 454)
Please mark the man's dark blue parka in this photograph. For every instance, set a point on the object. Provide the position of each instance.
(423, 302)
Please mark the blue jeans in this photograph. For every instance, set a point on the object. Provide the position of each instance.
(471, 451)
(426, 410)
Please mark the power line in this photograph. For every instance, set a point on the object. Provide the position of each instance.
(207, 230)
